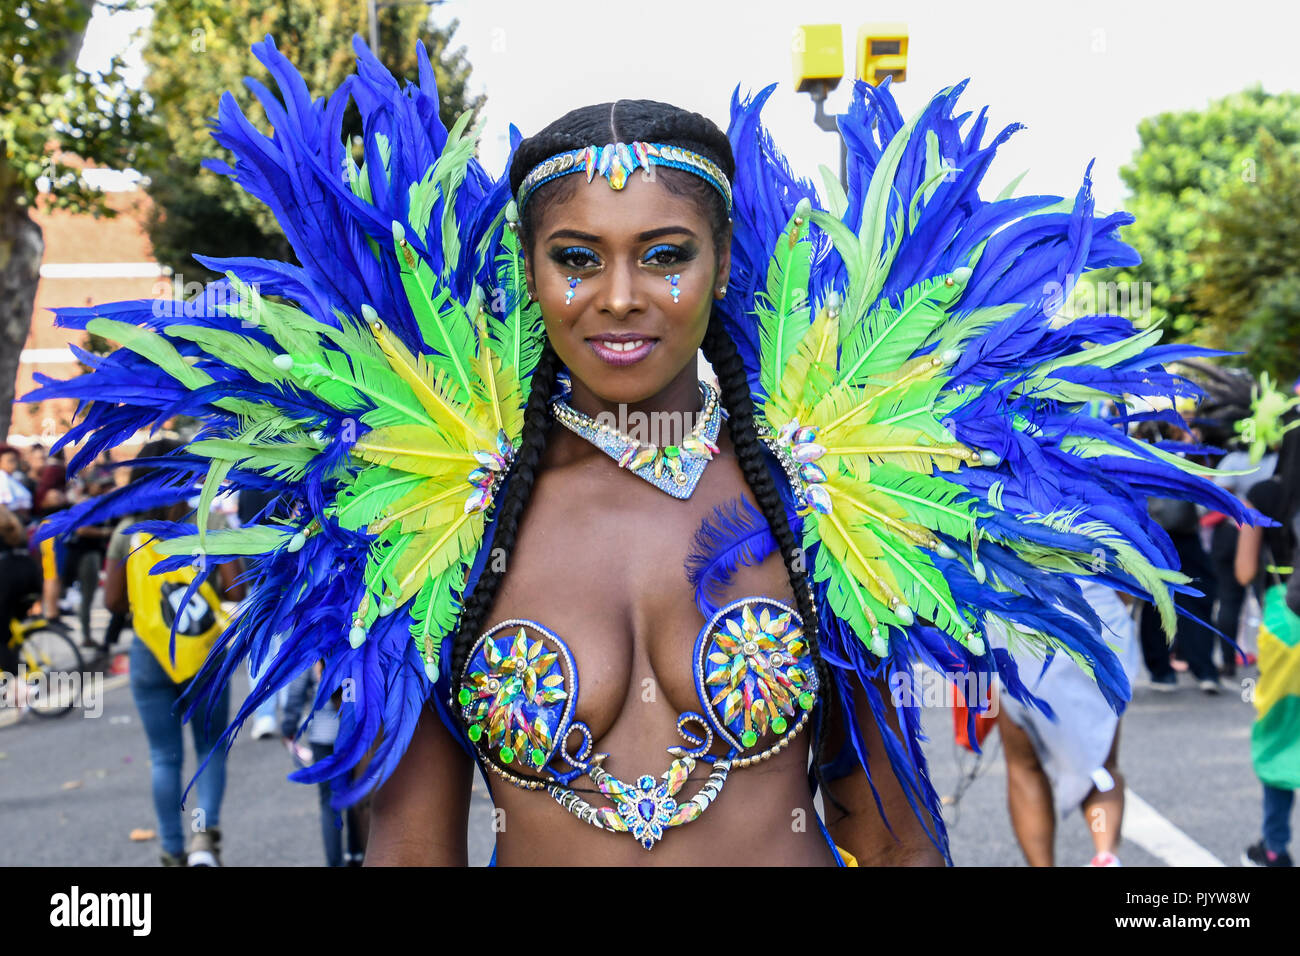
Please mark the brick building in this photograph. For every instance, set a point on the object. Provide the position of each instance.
(87, 261)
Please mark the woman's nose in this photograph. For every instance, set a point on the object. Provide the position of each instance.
(622, 291)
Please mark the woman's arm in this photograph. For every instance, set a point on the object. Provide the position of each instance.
(420, 816)
(863, 832)
(1249, 540)
(231, 590)
(115, 597)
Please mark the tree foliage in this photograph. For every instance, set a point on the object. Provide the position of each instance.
(1249, 264)
(55, 114)
(54, 120)
(200, 48)
(1186, 162)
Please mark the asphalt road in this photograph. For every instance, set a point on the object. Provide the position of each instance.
(72, 789)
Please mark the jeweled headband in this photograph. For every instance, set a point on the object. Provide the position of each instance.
(615, 161)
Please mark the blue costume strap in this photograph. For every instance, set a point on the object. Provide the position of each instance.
(839, 860)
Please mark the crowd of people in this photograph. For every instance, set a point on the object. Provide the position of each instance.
(1070, 761)
(61, 575)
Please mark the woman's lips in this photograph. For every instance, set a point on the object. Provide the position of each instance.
(623, 350)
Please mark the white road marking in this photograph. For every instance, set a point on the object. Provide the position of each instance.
(1144, 826)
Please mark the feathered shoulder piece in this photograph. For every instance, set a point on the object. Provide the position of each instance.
(940, 425)
(373, 389)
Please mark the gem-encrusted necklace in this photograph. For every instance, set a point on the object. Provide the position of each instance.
(674, 469)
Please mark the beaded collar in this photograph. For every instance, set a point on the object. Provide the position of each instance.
(673, 469)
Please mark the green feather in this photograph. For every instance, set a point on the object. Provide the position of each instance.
(435, 609)
(449, 331)
(252, 540)
(847, 598)
(783, 308)
(1099, 356)
(385, 552)
(517, 339)
(296, 332)
(923, 586)
(152, 346)
(372, 494)
(937, 169)
(1109, 540)
(930, 501)
(836, 199)
(913, 406)
(449, 174)
(211, 484)
(888, 337)
(284, 460)
(421, 196)
(234, 349)
(961, 328)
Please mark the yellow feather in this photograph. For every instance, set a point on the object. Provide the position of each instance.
(415, 448)
(416, 371)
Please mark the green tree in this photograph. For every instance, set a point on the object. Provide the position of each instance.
(1249, 264)
(200, 48)
(55, 119)
(1178, 175)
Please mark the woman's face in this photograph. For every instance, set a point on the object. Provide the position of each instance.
(622, 334)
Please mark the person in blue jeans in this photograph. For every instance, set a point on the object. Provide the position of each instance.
(343, 834)
(161, 674)
(155, 697)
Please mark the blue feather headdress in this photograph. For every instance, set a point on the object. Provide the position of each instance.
(948, 473)
(328, 384)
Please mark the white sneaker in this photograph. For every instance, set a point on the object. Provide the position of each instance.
(264, 727)
(71, 600)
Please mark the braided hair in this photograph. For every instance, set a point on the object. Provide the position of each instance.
(648, 121)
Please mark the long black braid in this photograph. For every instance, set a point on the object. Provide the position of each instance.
(537, 421)
(721, 352)
(647, 121)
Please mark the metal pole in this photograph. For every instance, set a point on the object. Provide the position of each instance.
(828, 123)
(372, 19)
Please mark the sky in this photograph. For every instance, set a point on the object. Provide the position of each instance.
(1078, 75)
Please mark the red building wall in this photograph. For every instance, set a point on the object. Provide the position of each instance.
(87, 261)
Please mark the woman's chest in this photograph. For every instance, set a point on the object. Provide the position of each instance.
(602, 567)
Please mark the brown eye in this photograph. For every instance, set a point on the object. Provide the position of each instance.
(575, 257)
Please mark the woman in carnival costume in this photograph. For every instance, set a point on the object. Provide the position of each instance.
(480, 399)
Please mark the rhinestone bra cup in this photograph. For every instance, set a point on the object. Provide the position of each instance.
(753, 675)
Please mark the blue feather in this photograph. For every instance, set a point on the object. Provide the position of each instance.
(735, 534)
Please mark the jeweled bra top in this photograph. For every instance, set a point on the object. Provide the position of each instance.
(756, 687)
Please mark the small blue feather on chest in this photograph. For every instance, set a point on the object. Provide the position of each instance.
(736, 533)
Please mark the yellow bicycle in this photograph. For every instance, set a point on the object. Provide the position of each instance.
(49, 665)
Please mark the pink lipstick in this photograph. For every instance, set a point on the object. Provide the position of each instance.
(622, 348)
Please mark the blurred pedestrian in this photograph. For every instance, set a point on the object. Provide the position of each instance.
(37, 459)
(160, 677)
(14, 493)
(343, 832)
(1055, 766)
(1194, 640)
(1275, 735)
(50, 498)
(1223, 549)
(20, 581)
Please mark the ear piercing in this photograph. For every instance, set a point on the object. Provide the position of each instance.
(573, 284)
(722, 291)
(675, 292)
